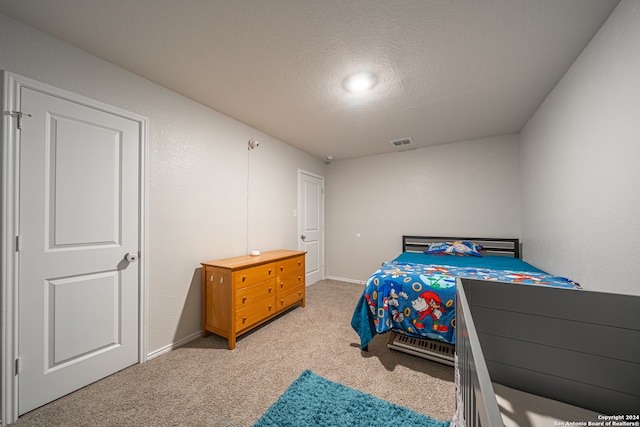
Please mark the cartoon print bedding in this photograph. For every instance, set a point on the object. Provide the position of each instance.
(419, 299)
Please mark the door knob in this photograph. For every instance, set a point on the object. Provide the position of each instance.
(131, 257)
(303, 237)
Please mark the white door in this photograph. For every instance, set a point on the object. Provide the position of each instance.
(78, 215)
(311, 224)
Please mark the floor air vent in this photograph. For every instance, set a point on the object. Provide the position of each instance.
(428, 349)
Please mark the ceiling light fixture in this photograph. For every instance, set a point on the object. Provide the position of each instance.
(360, 82)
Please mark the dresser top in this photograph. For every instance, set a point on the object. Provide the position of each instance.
(244, 261)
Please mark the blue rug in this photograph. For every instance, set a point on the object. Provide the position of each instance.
(314, 401)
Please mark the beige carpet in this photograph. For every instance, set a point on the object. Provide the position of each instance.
(204, 384)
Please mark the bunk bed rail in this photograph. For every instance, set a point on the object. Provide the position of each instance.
(475, 392)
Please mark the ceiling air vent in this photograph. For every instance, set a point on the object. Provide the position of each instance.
(401, 142)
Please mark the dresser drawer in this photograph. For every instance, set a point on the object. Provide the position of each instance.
(255, 293)
(217, 275)
(249, 276)
(254, 313)
(216, 296)
(290, 265)
(289, 281)
(292, 296)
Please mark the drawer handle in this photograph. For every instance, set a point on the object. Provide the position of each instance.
(244, 278)
(244, 319)
(281, 285)
(281, 267)
(269, 271)
(211, 278)
(299, 293)
(299, 263)
(244, 299)
(269, 289)
(269, 307)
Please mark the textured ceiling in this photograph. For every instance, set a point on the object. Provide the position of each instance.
(448, 70)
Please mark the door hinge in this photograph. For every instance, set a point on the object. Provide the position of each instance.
(17, 115)
(18, 366)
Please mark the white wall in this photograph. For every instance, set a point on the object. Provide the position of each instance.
(468, 188)
(580, 160)
(198, 175)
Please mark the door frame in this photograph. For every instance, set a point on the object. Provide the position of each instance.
(322, 215)
(9, 227)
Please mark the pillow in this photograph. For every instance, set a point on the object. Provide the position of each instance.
(459, 247)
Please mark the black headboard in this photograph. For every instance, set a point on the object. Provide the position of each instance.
(490, 245)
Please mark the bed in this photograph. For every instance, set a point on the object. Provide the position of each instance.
(413, 296)
(534, 355)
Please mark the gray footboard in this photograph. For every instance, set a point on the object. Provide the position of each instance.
(573, 346)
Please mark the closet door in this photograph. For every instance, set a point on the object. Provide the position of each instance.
(79, 281)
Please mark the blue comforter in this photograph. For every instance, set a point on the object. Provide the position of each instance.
(415, 293)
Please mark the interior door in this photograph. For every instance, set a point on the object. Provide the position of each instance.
(79, 218)
(311, 224)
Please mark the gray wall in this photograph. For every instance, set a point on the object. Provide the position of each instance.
(198, 175)
(580, 163)
(469, 188)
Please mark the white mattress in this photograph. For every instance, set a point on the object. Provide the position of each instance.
(520, 409)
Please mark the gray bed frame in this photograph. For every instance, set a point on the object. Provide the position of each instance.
(435, 350)
(574, 346)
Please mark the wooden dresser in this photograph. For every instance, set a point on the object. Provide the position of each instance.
(241, 293)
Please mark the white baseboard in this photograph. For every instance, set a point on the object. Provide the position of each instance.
(342, 279)
(195, 336)
(173, 346)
